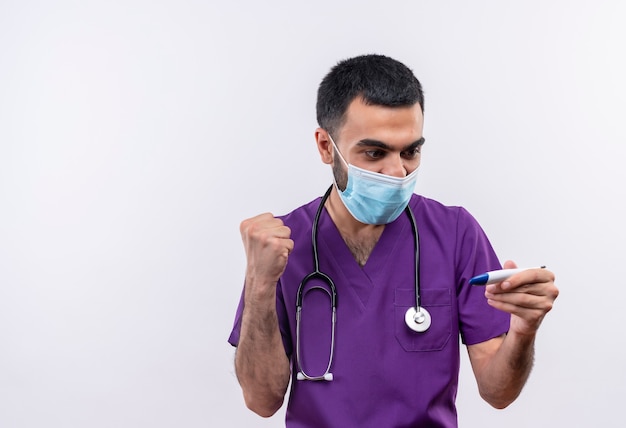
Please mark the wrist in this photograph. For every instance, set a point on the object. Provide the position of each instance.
(522, 334)
(260, 291)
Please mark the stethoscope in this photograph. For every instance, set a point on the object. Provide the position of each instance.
(417, 318)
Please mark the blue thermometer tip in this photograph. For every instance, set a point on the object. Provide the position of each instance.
(495, 276)
(480, 279)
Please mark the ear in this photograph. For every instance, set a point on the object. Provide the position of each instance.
(324, 146)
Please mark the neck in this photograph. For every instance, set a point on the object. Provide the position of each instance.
(359, 237)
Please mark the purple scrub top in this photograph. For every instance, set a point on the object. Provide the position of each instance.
(385, 375)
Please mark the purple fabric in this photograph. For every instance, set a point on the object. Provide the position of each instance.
(385, 375)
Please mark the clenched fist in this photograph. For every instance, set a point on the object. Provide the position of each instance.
(267, 244)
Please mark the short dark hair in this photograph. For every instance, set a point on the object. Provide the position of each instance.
(378, 79)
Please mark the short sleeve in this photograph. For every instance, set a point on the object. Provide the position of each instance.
(478, 321)
(233, 339)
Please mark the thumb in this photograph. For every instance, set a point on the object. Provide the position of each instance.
(509, 264)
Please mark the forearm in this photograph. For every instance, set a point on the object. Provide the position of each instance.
(502, 377)
(502, 365)
(261, 363)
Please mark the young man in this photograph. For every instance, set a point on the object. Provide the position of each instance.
(400, 276)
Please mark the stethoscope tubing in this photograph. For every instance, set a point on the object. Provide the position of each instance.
(416, 313)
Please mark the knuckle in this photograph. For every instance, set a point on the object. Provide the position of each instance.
(243, 226)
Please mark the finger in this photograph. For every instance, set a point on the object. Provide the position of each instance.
(531, 296)
(535, 310)
(509, 264)
(530, 315)
(260, 218)
(281, 231)
(525, 278)
(263, 227)
(289, 244)
(283, 246)
(524, 300)
(536, 289)
(247, 224)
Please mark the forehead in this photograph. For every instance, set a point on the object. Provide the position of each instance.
(389, 124)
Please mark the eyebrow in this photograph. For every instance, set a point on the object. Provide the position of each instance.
(381, 145)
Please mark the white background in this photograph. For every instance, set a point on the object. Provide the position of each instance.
(136, 135)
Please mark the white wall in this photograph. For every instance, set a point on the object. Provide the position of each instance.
(136, 135)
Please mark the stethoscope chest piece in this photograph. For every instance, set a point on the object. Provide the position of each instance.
(418, 321)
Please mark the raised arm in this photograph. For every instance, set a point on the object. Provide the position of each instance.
(260, 361)
(502, 365)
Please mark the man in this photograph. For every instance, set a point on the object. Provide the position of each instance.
(382, 364)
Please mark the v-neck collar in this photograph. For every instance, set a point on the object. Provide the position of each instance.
(361, 281)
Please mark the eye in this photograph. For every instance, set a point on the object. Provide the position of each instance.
(375, 154)
(412, 153)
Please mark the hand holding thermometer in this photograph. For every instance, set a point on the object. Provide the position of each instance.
(496, 276)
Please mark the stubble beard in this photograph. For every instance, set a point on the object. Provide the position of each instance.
(340, 173)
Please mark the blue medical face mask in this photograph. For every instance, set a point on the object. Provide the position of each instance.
(374, 198)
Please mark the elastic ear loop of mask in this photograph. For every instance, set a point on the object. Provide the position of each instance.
(337, 150)
(343, 160)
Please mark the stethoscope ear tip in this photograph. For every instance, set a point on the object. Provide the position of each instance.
(326, 376)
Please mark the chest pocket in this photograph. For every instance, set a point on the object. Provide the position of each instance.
(438, 302)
